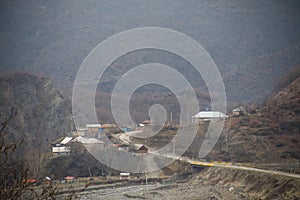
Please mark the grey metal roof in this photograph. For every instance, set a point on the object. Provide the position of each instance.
(87, 140)
(210, 114)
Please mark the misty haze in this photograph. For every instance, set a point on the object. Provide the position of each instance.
(217, 120)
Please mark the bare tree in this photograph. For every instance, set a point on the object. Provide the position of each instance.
(14, 172)
(36, 161)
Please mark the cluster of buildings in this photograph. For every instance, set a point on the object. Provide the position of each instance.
(62, 146)
(88, 135)
(92, 132)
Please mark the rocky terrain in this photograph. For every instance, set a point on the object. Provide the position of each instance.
(43, 114)
(210, 183)
(220, 183)
(269, 134)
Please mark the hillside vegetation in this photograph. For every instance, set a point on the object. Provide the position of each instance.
(270, 134)
(43, 114)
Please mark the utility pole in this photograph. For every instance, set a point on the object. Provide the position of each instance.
(72, 125)
(147, 185)
(174, 146)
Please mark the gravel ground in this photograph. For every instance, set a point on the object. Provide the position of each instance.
(186, 191)
(165, 191)
(117, 193)
(213, 183)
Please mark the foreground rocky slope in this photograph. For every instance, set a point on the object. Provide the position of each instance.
(220, 183)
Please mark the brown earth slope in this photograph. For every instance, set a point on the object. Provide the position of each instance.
(268, 134)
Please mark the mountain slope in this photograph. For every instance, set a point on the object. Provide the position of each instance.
(268, 134)
(264, 134)
(53, 38)
(42, 113)
(255, 79)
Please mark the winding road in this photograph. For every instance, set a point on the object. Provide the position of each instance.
(125, 138)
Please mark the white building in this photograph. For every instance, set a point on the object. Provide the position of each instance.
(83, 140)
(61, 146)
(208, 116)
(238, 111)
(93, 127)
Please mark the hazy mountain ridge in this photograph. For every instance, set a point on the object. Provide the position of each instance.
(256, 79)
(54, 38)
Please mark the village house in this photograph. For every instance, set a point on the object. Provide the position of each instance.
(123, 147)
(124, 175)
(84, 140)
(78, 144)
(93, 127)
(81, 131)
(207, 116)
(61, 146)
(238, 111)
(140, 148)
(146, 122)
(64, 145)
(105, 126)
